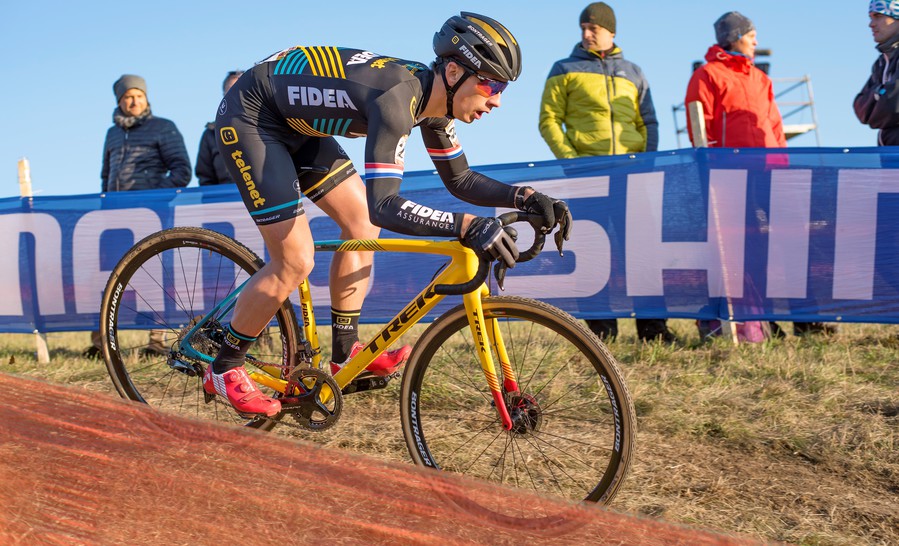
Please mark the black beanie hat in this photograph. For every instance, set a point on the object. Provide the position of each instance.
(599, 13)
(730, 27)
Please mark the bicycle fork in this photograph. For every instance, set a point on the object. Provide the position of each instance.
(487, 336)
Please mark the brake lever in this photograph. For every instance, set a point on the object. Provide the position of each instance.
(500, 268)
(499, 272)
(559, 241)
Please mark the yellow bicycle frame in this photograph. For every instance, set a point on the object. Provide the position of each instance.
(462, 268)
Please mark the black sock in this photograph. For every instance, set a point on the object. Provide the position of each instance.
(233, 351)
(344, 333)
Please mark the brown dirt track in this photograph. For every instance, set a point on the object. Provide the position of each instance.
(78, 467)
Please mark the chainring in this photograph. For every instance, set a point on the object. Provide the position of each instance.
(306, 404)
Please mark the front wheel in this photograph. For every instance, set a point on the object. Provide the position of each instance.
(574, 420)
(156, 293)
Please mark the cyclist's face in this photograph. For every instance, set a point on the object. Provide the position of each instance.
(473, 100)
(133, 102)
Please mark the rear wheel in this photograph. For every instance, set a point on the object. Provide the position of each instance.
(159, 289)
(573, 420)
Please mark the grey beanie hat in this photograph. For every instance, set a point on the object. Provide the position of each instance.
(730, 27)
(126, 82)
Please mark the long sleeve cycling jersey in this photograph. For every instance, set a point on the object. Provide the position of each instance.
(323, 91)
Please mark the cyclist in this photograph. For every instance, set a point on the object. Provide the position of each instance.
(276, 129)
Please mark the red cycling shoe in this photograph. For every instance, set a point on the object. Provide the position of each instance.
(387, 363)
(240, 391)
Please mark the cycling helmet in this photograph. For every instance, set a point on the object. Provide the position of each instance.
(481, 44)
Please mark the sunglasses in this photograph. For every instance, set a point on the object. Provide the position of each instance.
(486, 86)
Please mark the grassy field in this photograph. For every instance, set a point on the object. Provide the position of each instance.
(794, 440)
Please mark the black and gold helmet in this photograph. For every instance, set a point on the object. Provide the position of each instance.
(481, 44)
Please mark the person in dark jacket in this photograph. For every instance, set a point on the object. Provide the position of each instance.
(211, 169)
(878, 103)
(597, 103)
(141, 152)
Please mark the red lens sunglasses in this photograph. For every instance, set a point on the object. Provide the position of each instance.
(486, 86)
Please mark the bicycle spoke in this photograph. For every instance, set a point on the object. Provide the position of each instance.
(452, 454)
(552, 463)
(546, 460)
(190, 294)
(468, 379)
(482, 452)
(549, 349)
(574, 388)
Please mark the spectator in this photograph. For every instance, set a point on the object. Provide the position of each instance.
(210, 167)
(739, 109)
(597, 103)
(736, 96)
(878, 103)
(141, 152)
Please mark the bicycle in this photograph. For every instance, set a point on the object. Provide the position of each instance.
(554, 416)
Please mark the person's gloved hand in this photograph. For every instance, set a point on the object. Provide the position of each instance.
(554, 211)
(490, 241)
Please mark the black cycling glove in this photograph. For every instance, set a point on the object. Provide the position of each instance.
(490, 241)
(554, 211)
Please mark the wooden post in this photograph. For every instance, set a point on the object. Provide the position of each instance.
(700, 140)
(40, 340)
(697, 125)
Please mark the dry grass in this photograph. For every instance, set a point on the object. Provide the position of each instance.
(794, 440)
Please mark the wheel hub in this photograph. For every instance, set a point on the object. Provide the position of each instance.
(206, 341)
(526, 414)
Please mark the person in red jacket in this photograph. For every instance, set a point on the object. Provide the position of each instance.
(737, 97)
(739, 110)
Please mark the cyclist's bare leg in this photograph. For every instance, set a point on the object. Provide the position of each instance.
(291, 252)
(350, 271)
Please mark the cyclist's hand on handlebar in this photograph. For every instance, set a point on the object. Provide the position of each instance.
(490, 241)
(553, 211)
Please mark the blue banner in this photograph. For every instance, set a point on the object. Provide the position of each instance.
(792, 234)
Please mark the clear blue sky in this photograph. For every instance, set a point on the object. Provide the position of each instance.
(61, 58)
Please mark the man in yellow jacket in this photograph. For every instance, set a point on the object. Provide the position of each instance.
(597, 103)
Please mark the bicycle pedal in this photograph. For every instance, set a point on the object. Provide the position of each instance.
(208, 398)
(367, 381)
